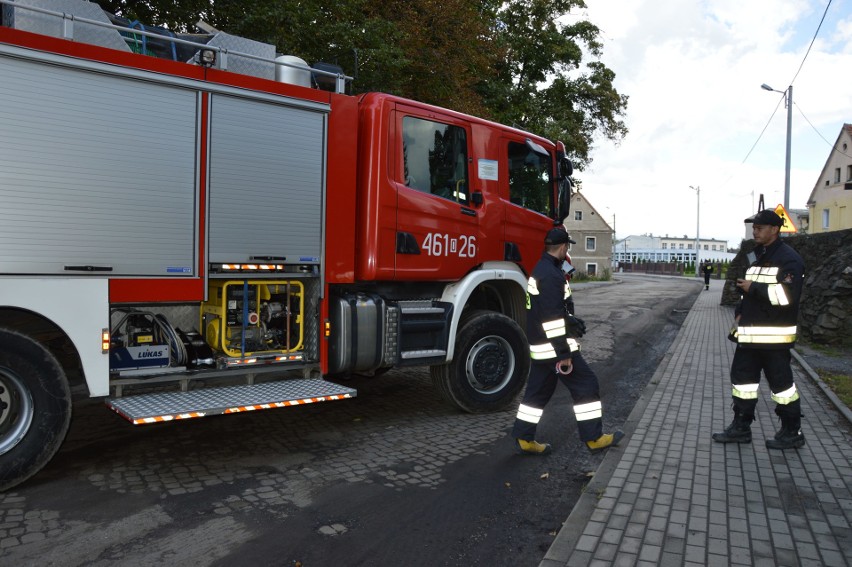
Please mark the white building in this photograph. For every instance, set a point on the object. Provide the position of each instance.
(669, 249)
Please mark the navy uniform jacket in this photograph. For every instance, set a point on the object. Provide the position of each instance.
(546, 329)
(769, 311)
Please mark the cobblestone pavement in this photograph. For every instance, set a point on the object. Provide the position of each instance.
(671, 496)
(402, 442)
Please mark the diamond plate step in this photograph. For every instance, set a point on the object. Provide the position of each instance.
(167, 406)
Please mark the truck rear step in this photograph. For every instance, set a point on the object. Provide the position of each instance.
(167, 406)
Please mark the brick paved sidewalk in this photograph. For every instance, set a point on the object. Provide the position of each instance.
(671, 496)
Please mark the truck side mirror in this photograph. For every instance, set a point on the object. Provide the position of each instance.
(566, 168)
(563, 198)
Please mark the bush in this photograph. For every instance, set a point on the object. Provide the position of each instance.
(604, 276)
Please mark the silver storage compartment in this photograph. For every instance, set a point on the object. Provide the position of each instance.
(47, 24)
(88, 187)
(358, 329)
(266, 182)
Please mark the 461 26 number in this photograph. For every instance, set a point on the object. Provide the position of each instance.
(442, 244)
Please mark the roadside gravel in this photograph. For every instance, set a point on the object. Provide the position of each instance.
(839, 361)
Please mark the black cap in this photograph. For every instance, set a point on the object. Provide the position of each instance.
(557, 236)
(766, 217)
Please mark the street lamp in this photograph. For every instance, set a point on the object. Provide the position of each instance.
(697, 225)
(788, 98)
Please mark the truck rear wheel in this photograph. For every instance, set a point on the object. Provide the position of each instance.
(490, 365)
(35, 407)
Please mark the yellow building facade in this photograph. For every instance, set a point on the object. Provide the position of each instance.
(830, 202)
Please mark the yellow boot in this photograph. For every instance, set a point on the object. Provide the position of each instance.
(533, 447)
(604, 441)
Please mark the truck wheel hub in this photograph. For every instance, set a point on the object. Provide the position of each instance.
(490, 365)
(16, 410)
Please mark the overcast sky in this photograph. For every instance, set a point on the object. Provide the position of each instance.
(693, 71)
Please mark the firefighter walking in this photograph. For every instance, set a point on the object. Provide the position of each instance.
(708, 271)
(765, 332)
(555, 353)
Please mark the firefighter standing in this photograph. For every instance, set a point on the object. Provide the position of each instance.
(707, 269)
(556, 356)
(765, 332)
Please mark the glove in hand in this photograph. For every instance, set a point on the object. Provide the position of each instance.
(575, 327)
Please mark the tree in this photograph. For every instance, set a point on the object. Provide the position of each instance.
(518, 62)
(541, 84)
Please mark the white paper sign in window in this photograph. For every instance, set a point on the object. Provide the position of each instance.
(488, 169)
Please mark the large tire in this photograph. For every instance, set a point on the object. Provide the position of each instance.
(35, 407)
(490, 366)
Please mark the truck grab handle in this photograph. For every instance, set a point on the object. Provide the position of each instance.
(88, 268)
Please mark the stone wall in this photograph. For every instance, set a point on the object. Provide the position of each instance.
(825, 314)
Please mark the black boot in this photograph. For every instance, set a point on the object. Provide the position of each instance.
(789, 436)
(738, 432)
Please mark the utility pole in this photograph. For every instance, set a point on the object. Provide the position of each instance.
(697, 226)
(788, 99)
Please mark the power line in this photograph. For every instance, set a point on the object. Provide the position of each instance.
(827, 6)
(768, 122)
(802, 64)
(832, 146)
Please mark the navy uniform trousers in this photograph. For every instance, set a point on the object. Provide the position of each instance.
(775, 363)
(582, 383)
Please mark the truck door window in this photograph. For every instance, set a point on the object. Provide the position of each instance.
(530, 182)
(435, 158)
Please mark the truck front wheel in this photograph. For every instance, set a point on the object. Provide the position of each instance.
(35, 407)
(490, 365)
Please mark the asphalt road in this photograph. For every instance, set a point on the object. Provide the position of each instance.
(393, 477)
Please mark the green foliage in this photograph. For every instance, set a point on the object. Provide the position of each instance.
(604, 276)
(518, 62)
(542, 84)
(841, 384)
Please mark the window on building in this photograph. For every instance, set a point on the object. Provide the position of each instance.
(837, 175)
(592, 269)
(680, 246)
(591, 243)
(825, 218)
(665, 245)
(578, 215)
(705, 247)
(530, 183)
(849, 173)
(435, 158)
(689, 246)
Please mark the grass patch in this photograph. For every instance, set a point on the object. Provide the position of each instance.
(840, 384)
(827, 350)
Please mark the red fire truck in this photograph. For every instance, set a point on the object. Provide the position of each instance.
(194, 226)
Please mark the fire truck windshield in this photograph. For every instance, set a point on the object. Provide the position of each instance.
(530, 177)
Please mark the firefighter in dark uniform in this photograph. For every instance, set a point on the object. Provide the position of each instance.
(555, 353)
(765, 332)
(708, 270)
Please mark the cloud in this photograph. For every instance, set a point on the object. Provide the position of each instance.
(693, 72)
